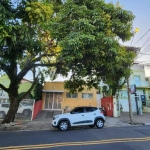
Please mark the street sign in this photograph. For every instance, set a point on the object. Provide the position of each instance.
(133, 89)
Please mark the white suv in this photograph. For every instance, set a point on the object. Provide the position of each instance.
(79, 116)
(25, 110)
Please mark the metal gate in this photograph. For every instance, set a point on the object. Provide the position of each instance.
(53, 100)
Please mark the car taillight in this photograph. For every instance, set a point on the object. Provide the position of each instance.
(101, 112)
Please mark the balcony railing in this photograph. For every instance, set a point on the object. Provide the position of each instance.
(141, 83)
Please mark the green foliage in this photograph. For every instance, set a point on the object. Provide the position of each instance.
(25, 44)
(38, 12)
(106, 91)
(89, 32)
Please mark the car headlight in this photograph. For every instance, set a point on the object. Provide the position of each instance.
(54, 118)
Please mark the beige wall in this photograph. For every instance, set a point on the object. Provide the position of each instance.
(71, 102)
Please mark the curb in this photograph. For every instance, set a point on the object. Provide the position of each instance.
(11, 128)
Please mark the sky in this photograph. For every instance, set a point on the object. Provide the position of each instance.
(140, 8)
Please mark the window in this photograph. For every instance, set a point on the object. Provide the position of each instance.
(123, 94)
(69, 95)
(90, 109)
(87, 95)
(137, 80)
(77, 110)
(5, 105)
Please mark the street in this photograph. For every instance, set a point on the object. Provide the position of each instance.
(116, 138)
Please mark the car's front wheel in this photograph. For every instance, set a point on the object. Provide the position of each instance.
(63, 126)
(99, 123)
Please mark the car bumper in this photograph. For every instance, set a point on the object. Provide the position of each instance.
(54, 123)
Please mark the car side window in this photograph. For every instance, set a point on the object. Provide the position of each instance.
(89, 109)
(78, 110)
(5, 105)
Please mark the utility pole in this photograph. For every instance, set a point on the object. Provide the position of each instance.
(129, 89)
(129, 100)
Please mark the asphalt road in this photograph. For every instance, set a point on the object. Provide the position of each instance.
(117, 138)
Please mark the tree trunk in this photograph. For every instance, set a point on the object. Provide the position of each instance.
(10, 116)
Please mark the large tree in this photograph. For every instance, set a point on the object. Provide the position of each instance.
(89, 33)
(25, 42)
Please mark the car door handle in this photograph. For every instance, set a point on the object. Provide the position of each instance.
(82, 115)
(94, 114)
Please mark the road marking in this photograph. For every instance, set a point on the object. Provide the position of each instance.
(41, 146)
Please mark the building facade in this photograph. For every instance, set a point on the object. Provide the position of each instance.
(142, 94)
(55, 97)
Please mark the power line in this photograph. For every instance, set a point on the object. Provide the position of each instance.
(144, 54)
(144, 50)
(142, 37)
(147, 41)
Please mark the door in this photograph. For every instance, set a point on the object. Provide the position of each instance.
(107, 103)
(53, 100)
(57, 97)
(90, 115)
(49, 101)
(77, 117)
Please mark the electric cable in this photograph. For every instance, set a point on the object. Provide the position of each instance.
(142, 37)
(147, 41)
(144, 54)
(145, 50)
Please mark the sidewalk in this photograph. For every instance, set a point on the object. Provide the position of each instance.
(124, 120)
(45, 123)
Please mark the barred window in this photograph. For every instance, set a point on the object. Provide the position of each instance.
(87, 95)
(69, 95)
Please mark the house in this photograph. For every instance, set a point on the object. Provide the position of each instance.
(55, 97)
(142, 94)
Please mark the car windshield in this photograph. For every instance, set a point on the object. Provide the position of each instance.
(72, 110)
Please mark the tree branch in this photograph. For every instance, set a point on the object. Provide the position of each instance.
(43, 55)
(3, 67)
(45, 65)
(29, 91)
(4, 88)
(28, 66)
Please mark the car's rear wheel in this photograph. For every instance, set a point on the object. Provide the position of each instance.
(2, 114)
(63, 125)
(99, 123)
(92, 126)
